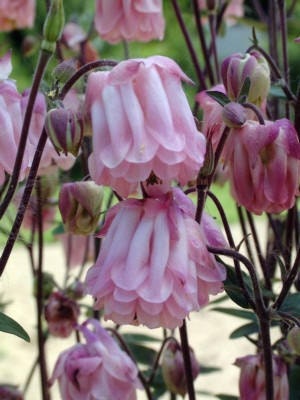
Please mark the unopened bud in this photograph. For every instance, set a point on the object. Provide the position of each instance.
(53, 25)
(234, 115)
(237, 67)
(63, 71)
(80, 206)
(173, 367)
(61, 313)
(293, 339)
(76, 290)
(65, 130)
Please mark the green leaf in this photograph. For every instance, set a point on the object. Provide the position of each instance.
(276, 91)
(236, 313)
(226, 397)
(138, 337)
(233, 288)
(208, 370)
(291, 305)
(244, 330)
(294, 382)
(220, 97)
(142, 354)
(58, 230)
(11, 326)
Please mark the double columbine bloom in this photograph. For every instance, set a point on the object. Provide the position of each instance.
(142, 124)
(96, 369)
(153, 267)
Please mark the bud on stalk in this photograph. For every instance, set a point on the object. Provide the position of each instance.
(65, 130)
(53, 26)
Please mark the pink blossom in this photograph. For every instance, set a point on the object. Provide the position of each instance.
(252, 378)
(97, 369)
(153, 267)
(12, 110)
(142, 124)
(61, 313)
(119, 20)
(16, 14)
(263, 165)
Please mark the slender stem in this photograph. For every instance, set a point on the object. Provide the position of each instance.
(261, 259)
(212, 27)
(156, 361)
(268, 359)
(284, 50)
(189, 44)
(30, 375)
(40, 298)
(24, 202)
(204, 48)
(245, 234)
(39, 72)
(232, 245)
(260, 11)
(257, 112)
(83, 70)
(288, 282)
(187, 361)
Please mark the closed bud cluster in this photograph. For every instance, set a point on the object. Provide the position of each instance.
(237, 67)
(48, 285)
(61, 313)
(293, 339)
(234, 115)
(65, 130)
(173, 367)
(80, 206)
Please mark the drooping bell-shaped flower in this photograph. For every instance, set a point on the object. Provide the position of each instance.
(173, 370)
(142, 124)
(252, 384)
(96, 369)
(80, 206)
(263, 163)
(130, 20)
(153, 267)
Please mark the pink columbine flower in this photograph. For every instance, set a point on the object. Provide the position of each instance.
(142, 124)
(263, 165)
(153, 267)
(61, 313)
(12, 110)
(129, 20)
(97, 369)
(16, 14)
(252, 378)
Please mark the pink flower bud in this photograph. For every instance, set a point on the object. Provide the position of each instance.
(237, 67)
(173, 367)
(252, 378)
(63, 71)
(65, 130)
(8, 392)
(234, 115)
(293, 339)
(80, 206)
(61, 313)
